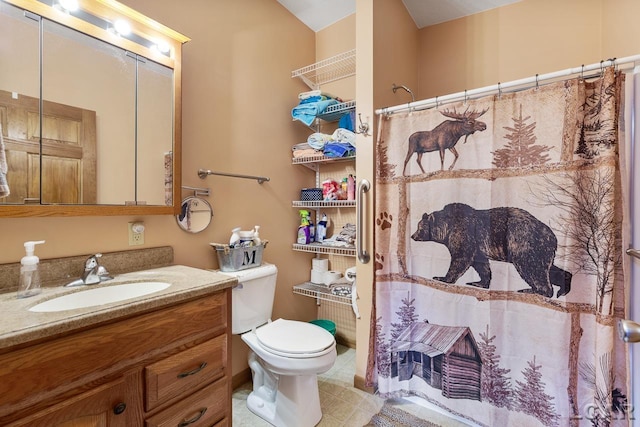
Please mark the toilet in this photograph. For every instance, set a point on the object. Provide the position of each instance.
(286, 355)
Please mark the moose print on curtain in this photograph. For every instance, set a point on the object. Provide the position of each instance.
(498, 257)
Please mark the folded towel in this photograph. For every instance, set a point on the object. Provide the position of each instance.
(314, 93)
(4, 168)
(318, 140)
(309, 152)
(344, 135)
(338, 149)
(307, 112)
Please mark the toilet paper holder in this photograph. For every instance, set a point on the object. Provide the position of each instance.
(350, 274)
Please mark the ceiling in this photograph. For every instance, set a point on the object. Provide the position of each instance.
(319, 14)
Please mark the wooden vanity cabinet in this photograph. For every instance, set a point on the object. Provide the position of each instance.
(167, 367)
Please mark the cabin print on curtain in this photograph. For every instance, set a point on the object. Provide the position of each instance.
(498, 257)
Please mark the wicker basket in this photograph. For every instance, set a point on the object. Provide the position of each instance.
(239, 258)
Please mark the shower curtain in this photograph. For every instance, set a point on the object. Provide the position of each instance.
(499, 277)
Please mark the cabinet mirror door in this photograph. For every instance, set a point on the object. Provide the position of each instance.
(154, 141)
(88, 119)
(19, 93)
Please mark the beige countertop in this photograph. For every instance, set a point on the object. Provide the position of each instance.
(20, 326)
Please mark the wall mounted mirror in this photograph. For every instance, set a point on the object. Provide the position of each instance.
(90, 117)
(195, 214)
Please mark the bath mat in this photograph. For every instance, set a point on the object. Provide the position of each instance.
(390, 416)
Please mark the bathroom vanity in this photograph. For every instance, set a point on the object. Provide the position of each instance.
(158, 360)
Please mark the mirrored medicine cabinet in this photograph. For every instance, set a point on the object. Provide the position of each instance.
(90, 110)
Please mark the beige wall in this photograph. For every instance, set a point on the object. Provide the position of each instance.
(522, 39)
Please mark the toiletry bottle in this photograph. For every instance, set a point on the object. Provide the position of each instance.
(256, 236)
(303, 229)
(235, 237)
(321, 229)
(312, 230)
(29, 274)
(351, 187)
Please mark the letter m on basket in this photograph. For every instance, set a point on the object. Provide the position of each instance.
(249, 257)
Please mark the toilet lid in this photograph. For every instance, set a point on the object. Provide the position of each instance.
(294, 337)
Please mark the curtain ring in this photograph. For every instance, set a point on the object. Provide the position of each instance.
(465, 97)
(601, 67)
(499, 91)
(436, 102)
(537, 82)
(582, 72)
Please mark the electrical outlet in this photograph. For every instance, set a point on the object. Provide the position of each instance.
(136, 233)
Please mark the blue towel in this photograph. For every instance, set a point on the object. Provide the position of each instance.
(346, 121)
(308, 111)
(338, 149)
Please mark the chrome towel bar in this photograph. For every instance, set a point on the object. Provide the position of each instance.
(203, 173)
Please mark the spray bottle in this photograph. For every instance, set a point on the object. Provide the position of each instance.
(29, 274)
(321, 229)
(304, 237)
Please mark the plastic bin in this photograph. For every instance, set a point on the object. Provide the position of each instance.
(325, 324)
(239, 258)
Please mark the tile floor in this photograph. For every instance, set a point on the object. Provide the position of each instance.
(342, 404)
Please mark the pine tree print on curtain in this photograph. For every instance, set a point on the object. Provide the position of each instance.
(498, 270)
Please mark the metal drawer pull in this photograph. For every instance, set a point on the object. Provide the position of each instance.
(119, 408)
(633, 252)
(195, 371)
(194, 419)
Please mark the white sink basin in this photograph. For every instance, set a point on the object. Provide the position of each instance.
(99, 296)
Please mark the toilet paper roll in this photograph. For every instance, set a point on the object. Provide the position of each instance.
(317, 277)
(331, 276)
(320, 264)
(350, 274)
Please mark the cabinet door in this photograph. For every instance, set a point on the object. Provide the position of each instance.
(115, 404)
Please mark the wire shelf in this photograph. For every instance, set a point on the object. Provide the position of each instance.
(318, 248)
(312, 204)
(321, 292)
(328, 70)
(334, 112)
(320, 158)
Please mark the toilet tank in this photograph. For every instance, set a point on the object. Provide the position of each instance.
(252, 299)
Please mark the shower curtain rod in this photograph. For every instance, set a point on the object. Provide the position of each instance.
(500, 87)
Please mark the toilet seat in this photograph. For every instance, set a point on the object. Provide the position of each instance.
(291, 338)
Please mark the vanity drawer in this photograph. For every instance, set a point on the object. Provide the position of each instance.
(185, 371)
(204, 408)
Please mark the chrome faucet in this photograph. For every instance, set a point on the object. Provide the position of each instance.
(93, 272)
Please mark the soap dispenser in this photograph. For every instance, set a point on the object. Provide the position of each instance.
(29, 274)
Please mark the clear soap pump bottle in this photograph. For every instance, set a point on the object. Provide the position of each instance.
(29, 274)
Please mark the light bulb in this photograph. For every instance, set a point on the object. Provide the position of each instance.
(69, 5)
(162, 46)
(122, 27)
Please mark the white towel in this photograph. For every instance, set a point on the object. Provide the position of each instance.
(4, 185)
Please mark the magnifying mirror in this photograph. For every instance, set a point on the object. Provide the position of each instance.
(195, 214)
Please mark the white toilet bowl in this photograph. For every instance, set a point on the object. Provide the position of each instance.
(286, 357)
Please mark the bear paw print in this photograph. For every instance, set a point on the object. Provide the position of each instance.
(379, 262)
(384, 221)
